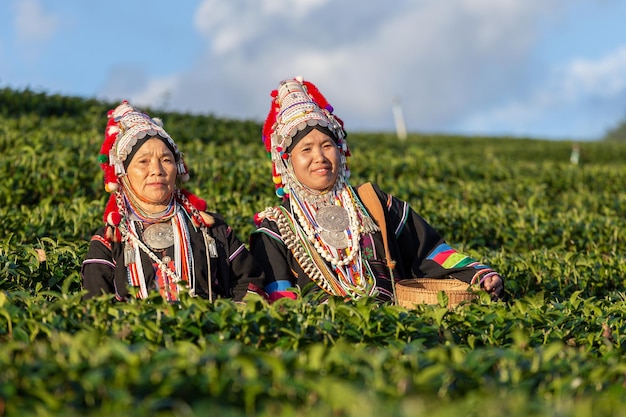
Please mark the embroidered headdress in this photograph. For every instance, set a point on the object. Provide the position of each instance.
(296, 106)
(127, 125)
(126, 128)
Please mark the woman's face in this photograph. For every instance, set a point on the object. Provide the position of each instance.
(315, 161)
(152, 174)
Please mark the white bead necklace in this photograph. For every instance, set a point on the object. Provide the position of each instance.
(313, 231)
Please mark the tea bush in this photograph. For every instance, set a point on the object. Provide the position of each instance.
(554, 346)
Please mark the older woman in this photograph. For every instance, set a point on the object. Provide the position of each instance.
(325, 235)
(157, 236)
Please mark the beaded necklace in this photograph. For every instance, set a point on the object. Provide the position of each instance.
(183, 256)
(350, 277)
(305, 213)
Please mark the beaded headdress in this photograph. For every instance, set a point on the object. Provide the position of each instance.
(296, 105)
(126, 125)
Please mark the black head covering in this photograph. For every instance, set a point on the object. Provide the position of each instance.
(302, 133)
(140, 143)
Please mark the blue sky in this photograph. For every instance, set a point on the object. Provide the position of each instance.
(549, 69)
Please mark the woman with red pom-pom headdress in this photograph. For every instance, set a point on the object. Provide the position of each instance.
(346, 241)
(156, 235)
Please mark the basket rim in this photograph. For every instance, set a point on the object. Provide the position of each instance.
(410, 295)
(441, 284)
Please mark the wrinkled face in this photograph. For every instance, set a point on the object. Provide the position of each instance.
(316, 161)
(152, 174)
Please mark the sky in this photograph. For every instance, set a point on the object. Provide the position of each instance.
(553, 69)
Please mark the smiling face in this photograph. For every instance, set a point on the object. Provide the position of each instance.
(152, 174)
(316, 161)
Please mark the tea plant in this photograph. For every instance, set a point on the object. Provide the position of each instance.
(553, 346)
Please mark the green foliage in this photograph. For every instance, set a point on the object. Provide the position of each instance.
(554, 346)
(617, 133)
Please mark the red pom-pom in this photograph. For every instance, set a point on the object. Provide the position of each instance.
(194, 200)
(110, 135)
(316, 95)
(114, 219)
(112, 215)
(110, 179)
(270, 121)
(200, 204)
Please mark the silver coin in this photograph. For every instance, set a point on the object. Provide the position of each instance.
(337, 240)
(159, 235)
(333, 218)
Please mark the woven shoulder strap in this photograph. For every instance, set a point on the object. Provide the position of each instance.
(372, 203)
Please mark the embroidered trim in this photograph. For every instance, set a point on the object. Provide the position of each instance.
(403, 219)
(236, 252)
(101, 239)
(99, 261)
(270, 233)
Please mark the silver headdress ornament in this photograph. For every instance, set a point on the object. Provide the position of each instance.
(126, 126)
(296, 105)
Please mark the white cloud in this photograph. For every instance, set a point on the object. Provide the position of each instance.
(605, 77)
(441, 58)
(32, 23)
(230, 24)
(468, 66)
(592, 90)
(132, 83)
(157, 93)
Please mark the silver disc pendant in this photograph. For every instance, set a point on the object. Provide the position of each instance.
(337, 240)
(332, 218)
(159, 235)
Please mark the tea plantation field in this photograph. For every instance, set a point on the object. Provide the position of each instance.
(553, 347)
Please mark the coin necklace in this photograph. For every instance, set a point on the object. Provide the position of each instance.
(306, 218)
(334, 231)
(159, 235)
(333, 221)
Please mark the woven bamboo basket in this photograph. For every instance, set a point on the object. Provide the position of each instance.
(424, 291)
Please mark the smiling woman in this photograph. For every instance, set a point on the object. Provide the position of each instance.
(315, 160)
(158, 236)
(349, 242)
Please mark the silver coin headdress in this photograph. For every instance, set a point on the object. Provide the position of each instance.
(296, 106)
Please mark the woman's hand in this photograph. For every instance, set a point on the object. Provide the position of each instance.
(494, 285)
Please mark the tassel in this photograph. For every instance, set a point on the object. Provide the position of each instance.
(112, 234)
(208, 219)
